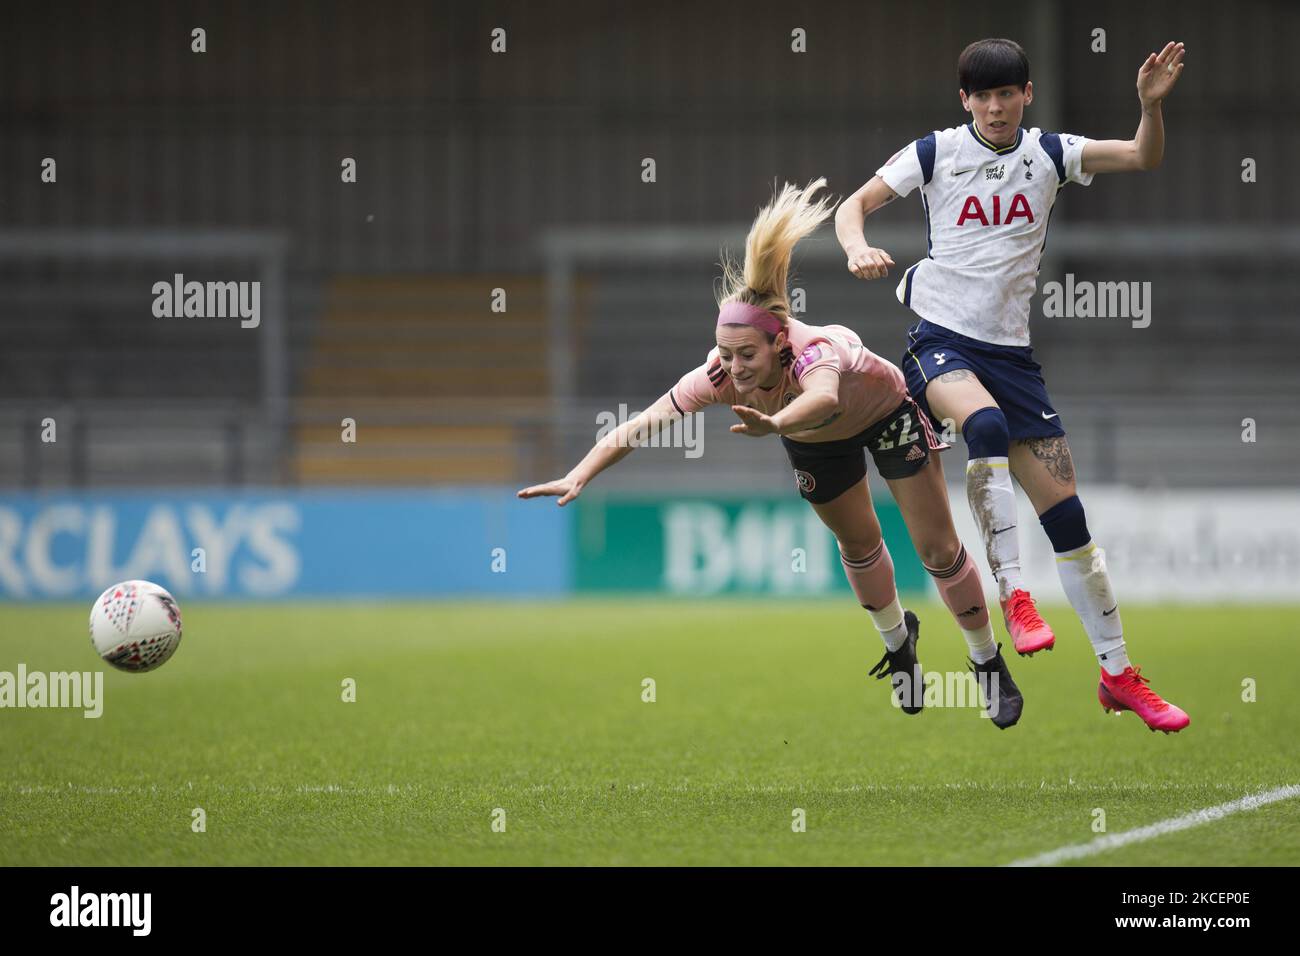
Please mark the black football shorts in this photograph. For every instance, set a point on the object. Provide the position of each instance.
(900, 443)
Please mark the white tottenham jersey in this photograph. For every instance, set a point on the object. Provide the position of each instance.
(986, 212)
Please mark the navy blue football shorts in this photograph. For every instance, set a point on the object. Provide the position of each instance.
(1007, 372)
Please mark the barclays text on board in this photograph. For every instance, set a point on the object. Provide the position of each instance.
(271, 544)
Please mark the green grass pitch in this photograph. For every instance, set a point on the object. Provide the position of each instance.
(535, 708)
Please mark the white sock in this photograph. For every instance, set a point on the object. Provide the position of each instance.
(980, 641)
(889, 622)
(1087, 585)
(993, 503)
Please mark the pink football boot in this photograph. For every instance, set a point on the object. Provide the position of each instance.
(1029, 632)
(1129, 691)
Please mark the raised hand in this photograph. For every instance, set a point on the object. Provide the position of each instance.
(1159, 73)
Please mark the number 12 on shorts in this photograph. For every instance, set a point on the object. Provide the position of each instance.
(908, 436)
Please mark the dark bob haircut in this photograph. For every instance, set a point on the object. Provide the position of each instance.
(988, 64)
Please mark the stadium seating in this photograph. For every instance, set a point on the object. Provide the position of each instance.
(440, 386)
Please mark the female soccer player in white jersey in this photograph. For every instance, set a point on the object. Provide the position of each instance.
(828, 398)
(987, 189)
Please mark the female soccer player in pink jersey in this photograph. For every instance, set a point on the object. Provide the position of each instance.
(829, 399)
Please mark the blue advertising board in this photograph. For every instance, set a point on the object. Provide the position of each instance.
(272, 543)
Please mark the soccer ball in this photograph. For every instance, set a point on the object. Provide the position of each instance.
(135, 626)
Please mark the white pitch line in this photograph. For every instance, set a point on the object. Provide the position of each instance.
(1172, 825)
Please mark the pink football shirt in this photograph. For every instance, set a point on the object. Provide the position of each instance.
(870, 386)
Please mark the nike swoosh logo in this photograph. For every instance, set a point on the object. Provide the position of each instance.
(1047, 416)
(1000, 530)
(1111, 611)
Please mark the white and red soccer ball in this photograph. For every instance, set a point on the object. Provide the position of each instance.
(135, 626)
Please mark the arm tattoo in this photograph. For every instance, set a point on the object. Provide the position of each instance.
(956, 375)
(1055, 454)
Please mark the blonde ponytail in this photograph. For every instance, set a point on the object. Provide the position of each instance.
(777, 229)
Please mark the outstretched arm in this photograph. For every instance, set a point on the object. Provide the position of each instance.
(865, 262)
(613, 448)
(1155, 81)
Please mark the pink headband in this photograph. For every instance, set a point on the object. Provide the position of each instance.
(742, 313)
